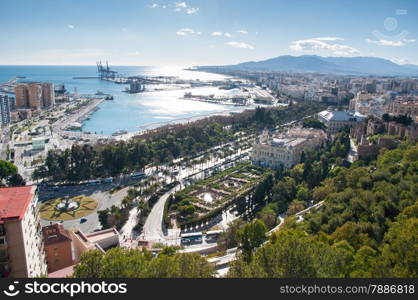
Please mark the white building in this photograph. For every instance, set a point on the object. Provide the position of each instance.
(286, 149)
(336, 120)
(4, 110)
(21, 247)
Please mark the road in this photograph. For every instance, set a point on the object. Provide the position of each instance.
(352, 154)
(104, 199)
(99, 192)
(153, 227)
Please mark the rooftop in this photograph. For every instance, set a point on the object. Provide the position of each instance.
(14, 202)
(336, 115)
(55, 233)
(98, 236)
(62, 273)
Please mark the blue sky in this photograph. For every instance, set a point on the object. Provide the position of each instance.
(198, 32)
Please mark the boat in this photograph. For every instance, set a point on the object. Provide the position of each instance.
(119, 132)
(109, 97)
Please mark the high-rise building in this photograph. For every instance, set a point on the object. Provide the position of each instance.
(21, 247)
(370, 87)
(48, 95)
(22, 96)
(35, 95)
(5, 110)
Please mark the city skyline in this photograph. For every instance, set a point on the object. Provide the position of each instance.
(203, 32)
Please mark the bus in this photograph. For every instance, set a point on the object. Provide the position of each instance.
(191, 238)
(108, 180)
(138, 175)
(212, 236)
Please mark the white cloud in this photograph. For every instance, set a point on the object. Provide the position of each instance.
(70, 26)
(323, 44)
(400, 61)
(216, 33)
(242, 31)
(220, 33)
(329, 38)
(134, 53)
(393, 43)
(181, 4)
(240, 45)
(155, 5)
(192, 10)
(187, 31)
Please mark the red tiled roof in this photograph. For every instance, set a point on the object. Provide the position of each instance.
(55, 233)
(14, 201)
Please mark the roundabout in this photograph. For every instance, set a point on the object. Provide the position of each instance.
(67, 208)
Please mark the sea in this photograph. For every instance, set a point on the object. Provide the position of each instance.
(130, 112)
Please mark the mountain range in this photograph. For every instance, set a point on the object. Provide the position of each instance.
(317, 64)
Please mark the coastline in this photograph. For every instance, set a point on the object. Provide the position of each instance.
(177, 121)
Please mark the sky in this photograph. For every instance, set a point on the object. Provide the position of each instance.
(203, 32)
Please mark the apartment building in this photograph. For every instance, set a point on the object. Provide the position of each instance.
(4, 110)
(403, 107)
(286, 149)
(35, 95)
(58, 247)
(100, 240)
(21, 246)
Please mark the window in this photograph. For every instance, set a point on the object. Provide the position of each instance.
(3, 253)
(2, 241)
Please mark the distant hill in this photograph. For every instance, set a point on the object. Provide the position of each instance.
(410, 66)
(318, 64)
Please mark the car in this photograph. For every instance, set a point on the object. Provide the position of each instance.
(83, 220)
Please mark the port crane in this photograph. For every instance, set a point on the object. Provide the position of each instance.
(105, 72)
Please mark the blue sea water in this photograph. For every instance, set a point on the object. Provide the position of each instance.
(130, 112)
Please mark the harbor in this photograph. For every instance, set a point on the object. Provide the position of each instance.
(135, 99)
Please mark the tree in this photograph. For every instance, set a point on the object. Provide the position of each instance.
(313, 123)
(90, 265)
(128, 263)
(16, 180)
(250, 237)
(295, 207)
(229, 238)
(268, 215)
(7, 169)
(399, 252)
